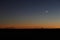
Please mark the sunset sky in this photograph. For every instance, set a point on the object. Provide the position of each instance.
(30, 13)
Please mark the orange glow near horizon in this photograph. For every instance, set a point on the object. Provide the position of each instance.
(30, 26)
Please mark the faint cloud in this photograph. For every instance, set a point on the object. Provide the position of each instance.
(46, 11)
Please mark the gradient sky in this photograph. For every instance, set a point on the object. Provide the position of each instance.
(30, 12)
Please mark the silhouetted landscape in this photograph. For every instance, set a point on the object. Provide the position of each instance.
(27, 28)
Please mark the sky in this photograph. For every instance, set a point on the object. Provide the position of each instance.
(37, 13)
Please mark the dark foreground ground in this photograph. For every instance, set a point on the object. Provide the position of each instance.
(12, 32)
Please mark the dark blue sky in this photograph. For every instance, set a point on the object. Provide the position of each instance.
(29, 11)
